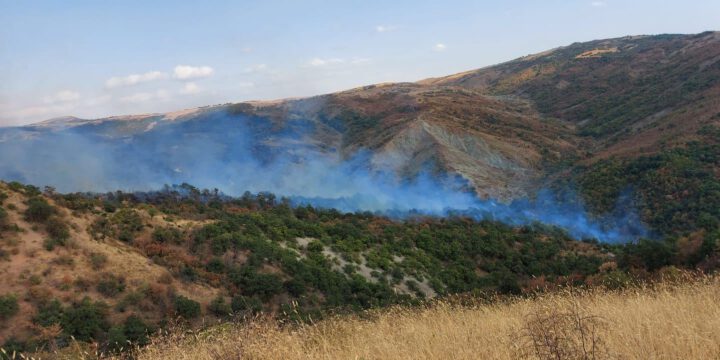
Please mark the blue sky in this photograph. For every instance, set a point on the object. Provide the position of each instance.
(100, 58)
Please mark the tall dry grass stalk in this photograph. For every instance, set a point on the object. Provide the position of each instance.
(665, 321)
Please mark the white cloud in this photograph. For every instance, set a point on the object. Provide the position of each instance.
(160, 95)
(134, 79)
(439, 47)
(184, 72)
(319, 62)
(325, 62)
(190, 88)
(385, 28)
(245, 84)
(256, 68)
(62, 96)
(359, 61)
(598, 3)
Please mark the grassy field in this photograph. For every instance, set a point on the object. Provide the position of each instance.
(678, 320)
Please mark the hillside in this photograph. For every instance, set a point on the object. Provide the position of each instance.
(634, 94)
(113, 267)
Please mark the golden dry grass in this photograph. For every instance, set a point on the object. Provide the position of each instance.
(667, 321)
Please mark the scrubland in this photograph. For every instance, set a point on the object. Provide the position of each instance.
(672, 320)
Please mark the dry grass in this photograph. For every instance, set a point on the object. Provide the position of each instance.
(667, 321)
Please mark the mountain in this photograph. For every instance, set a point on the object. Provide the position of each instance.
(559, 119)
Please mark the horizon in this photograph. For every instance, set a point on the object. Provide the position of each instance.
(170, 57)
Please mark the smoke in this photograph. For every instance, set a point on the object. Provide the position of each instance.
(238, 153)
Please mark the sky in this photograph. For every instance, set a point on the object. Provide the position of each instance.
(93, 59)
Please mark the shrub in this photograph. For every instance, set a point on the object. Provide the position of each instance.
(57, 229)
(111, 285)
(187, 308)
(98, 260)
(49, 313)
(38, 210)
(109, 206)
(116, 339)
(50, 243)
(167, 235)
(8, 306)
(3, 217)
(136, 331)
(128, 223)
(188, 273)
(85, 320)
(253, 283)
(295, 287)
(215, 265)
(219, 307)
(243, 303)
(554, 334)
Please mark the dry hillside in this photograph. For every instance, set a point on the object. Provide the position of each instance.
(35, 274)
(667, 321)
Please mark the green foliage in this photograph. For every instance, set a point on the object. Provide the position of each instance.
(3, 217)
(678, 190)
(85, 320)
(167, 235)
(39, 210)
(49, 313)
(133, 332)
(253, 283)
(219, 307)
(240, 304)
(111, 285)
(8, 306)
(136, 331)
(127, 223)
(187, 308)
(98, 260)
(116, 339)
(29, 190)
(57, 229)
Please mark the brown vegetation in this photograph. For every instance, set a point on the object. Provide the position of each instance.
(665, 321)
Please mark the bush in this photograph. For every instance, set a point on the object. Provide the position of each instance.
(219, 307)
(111, 285)
(85, 320)
(39, 210)
(167, 235)
(187, 308)
(116, 339)
(553, 334)
(98, 260)
(243, 303)
(128, 223)
(136, 331)
(57, 229)
(50, 243)
(8, 306)
(215, 265)
(3, 216)
(49, 313)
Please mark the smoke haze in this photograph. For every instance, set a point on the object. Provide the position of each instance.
(238, 153)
